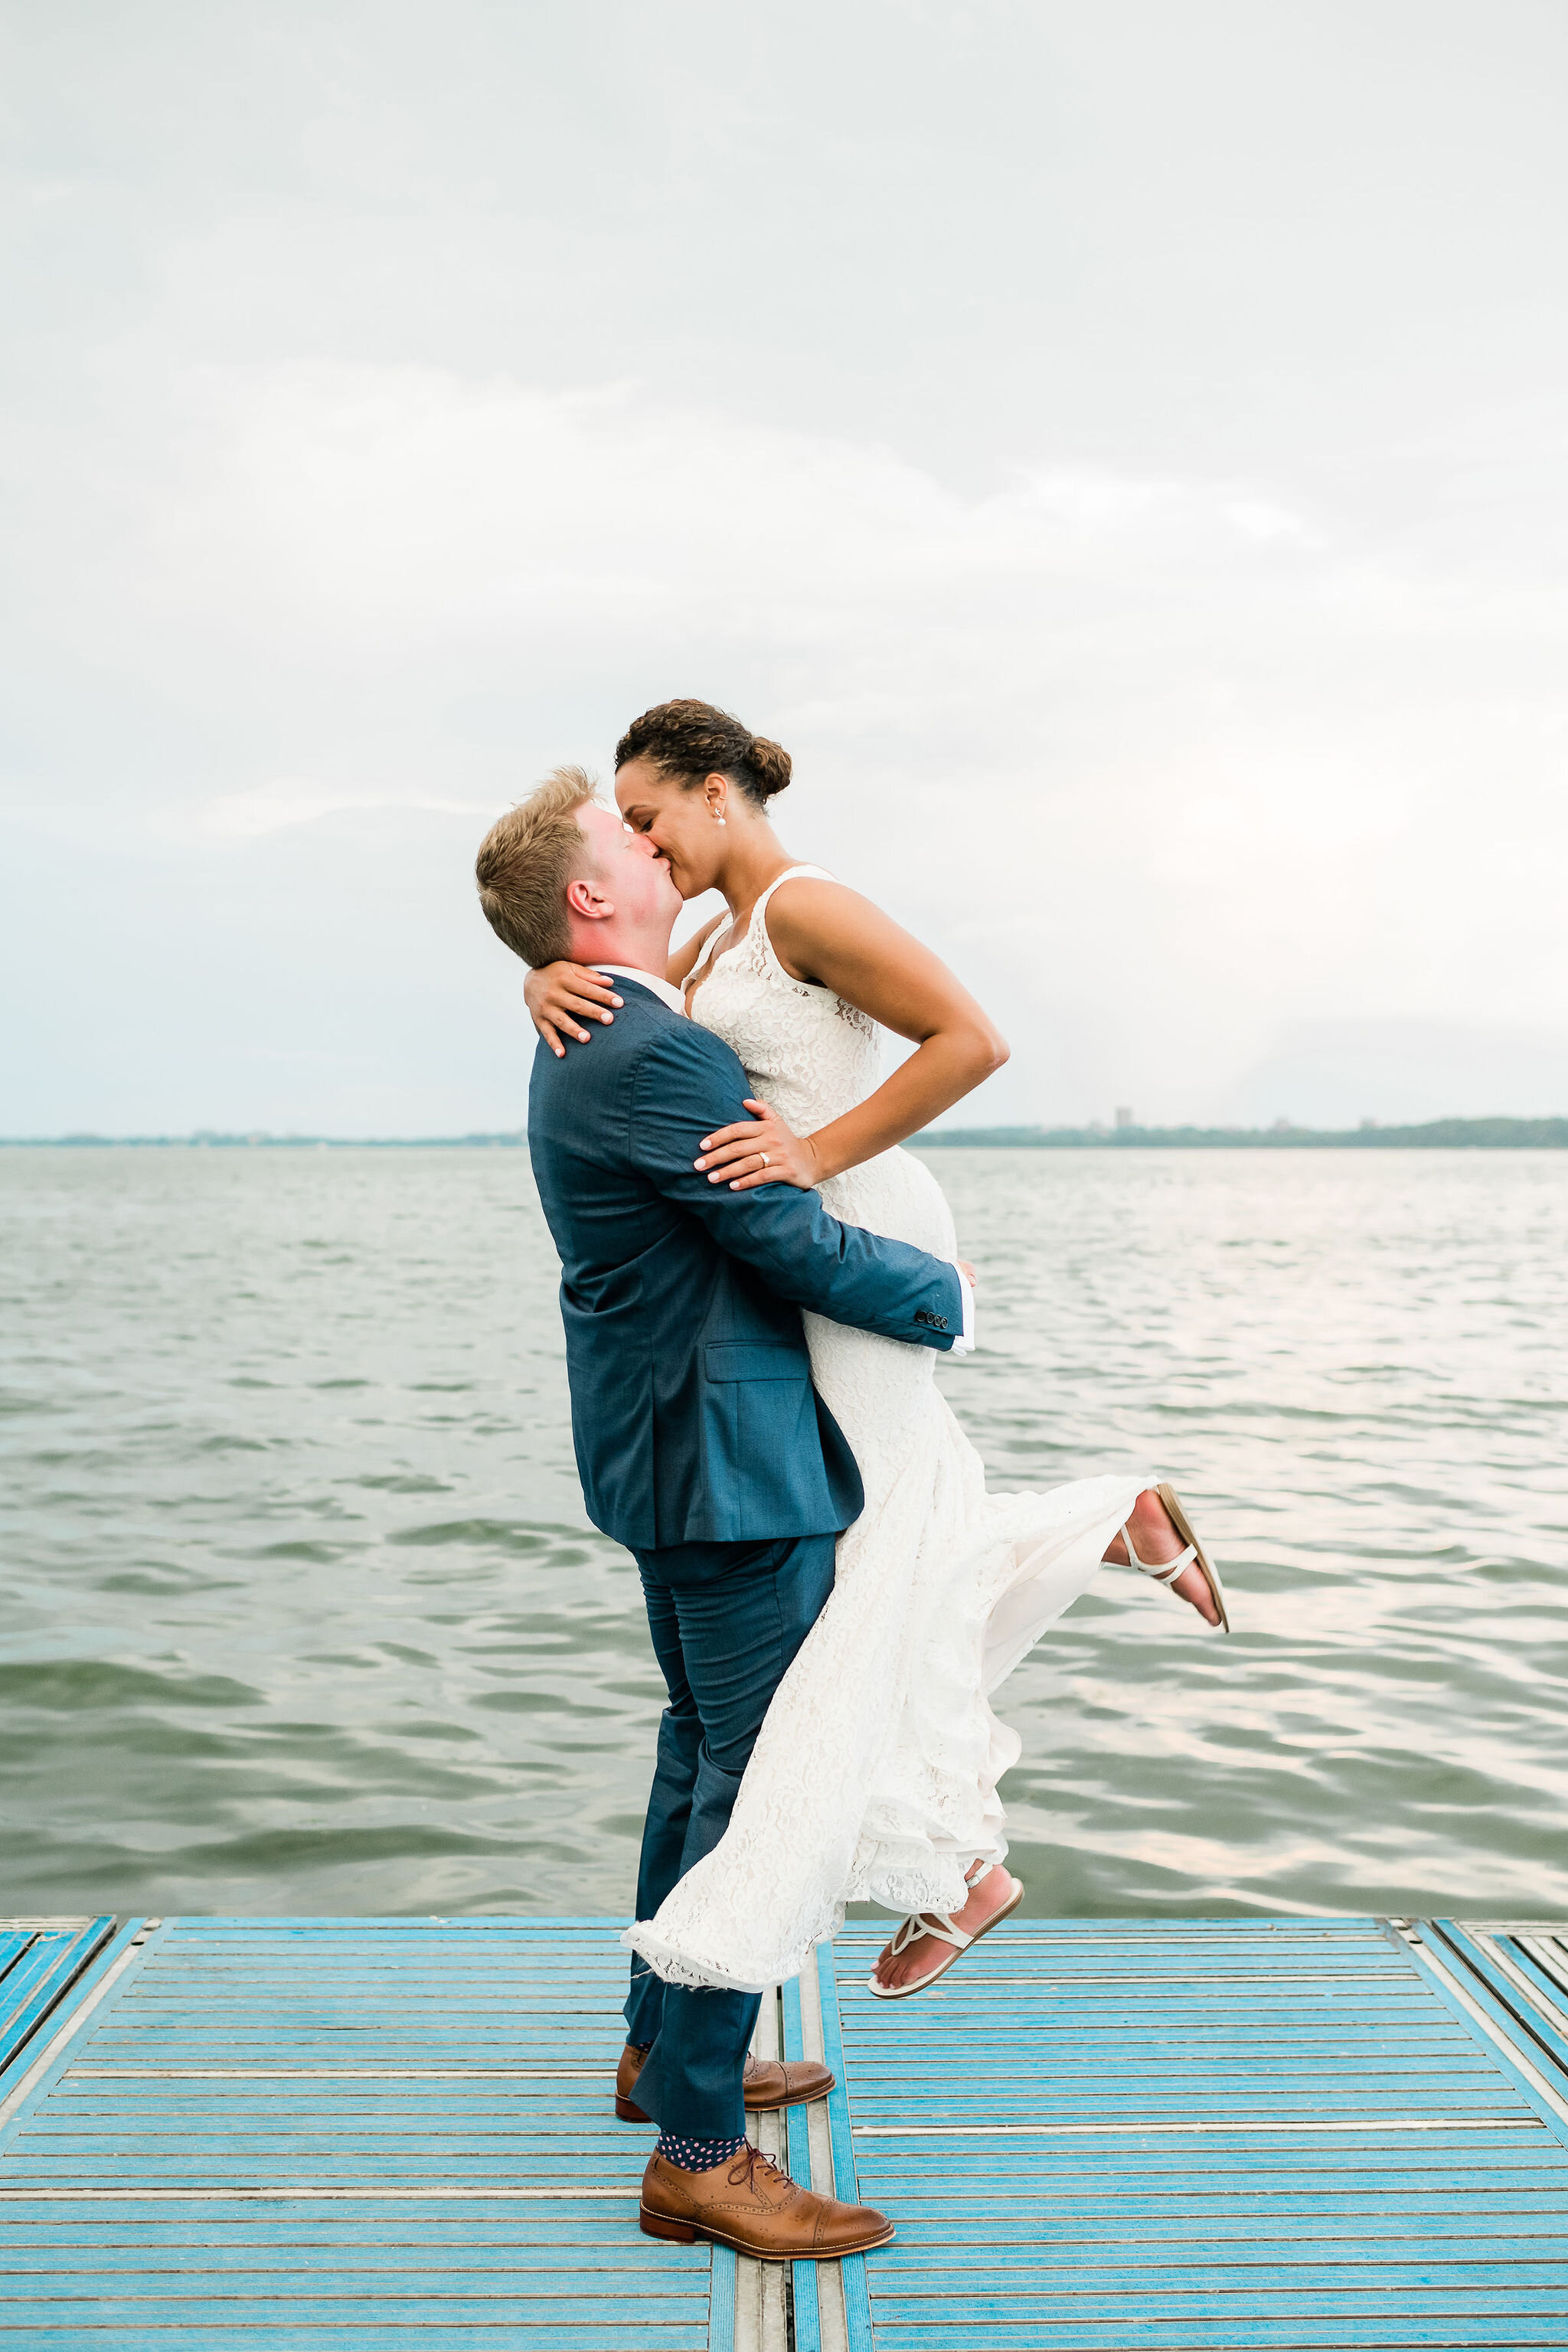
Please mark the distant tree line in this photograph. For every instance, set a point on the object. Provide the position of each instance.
(1471, 1134)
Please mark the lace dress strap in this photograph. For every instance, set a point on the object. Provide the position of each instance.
(794, 874)
(763, 955)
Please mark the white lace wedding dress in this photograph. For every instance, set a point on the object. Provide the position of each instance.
(875, 1774)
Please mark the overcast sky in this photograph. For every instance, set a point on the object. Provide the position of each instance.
(1119, 450)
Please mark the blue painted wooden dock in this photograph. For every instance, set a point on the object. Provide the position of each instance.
(40, 1960)
(1097, 2134)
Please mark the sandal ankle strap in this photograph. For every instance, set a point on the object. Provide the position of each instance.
(1171, 1568)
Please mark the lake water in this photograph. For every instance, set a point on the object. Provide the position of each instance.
(300, 1612)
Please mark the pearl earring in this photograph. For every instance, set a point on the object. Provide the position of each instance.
(720, 819)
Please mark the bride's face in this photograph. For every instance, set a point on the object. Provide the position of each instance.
(679, 820)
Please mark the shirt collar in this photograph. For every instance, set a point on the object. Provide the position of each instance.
(661, 988)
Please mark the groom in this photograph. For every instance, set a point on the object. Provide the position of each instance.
(701, 1446)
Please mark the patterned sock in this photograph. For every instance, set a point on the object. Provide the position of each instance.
(697, 2155)
(641, 2047)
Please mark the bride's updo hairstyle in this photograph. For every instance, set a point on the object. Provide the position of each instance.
(689, 741)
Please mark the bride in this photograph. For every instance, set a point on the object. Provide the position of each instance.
(874, 1775)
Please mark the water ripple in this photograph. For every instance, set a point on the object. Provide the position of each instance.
(299, 1610)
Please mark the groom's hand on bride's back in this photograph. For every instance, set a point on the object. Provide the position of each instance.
(967, 1271)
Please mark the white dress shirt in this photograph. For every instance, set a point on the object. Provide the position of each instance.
(963, 1344)
(664, 989)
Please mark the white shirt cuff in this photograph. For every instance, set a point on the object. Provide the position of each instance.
(964, 1345)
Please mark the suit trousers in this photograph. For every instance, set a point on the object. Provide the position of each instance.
(726, 1620)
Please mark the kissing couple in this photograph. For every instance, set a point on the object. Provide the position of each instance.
(755, 1283)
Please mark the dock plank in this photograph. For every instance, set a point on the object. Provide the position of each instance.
(1281, 2137)
(1095, 2136)
(419, 2152)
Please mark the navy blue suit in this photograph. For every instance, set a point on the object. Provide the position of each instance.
(701, 1444)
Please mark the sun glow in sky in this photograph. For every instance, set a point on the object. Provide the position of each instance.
(1119, 451)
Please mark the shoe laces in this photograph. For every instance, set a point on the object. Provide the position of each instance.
(748, 2163)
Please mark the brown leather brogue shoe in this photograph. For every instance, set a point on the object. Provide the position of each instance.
(771, 2083)
(784, 2083)
(750, 2204)
(626, 2073)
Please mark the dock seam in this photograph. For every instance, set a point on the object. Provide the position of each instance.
(91, 1988)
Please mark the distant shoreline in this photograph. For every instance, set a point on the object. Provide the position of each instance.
(1438, 1134)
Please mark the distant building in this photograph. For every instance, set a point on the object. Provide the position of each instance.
(1283, 1126)
(1124, 1115)
(1367, 1125)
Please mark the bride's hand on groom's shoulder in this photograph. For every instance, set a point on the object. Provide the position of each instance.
(559, 996)
(758, 1150)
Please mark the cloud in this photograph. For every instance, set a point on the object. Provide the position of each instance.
(290, 801)
(1158, 759)
(332, 537)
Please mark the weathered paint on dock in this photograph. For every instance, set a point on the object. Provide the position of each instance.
(1098, 2134)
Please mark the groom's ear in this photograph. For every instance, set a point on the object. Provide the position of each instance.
(584, 898)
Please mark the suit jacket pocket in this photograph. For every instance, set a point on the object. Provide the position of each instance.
(754, 1359)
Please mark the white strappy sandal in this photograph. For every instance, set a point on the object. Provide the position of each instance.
(1168, 1570)
(946, 1931)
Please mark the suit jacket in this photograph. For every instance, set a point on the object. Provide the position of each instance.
(692, 1407)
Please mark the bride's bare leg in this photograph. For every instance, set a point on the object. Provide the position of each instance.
(1155, 1538)
(919, 1958)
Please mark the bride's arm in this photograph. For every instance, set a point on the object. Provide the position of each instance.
(822, 932)
(559, 996)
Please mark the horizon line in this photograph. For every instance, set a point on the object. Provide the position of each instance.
(1495, 1132)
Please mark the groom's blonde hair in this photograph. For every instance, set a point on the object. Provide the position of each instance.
(525, 862)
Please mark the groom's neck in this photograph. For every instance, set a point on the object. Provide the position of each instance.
(640, 951)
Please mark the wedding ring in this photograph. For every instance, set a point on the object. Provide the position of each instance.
(764, 1159)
